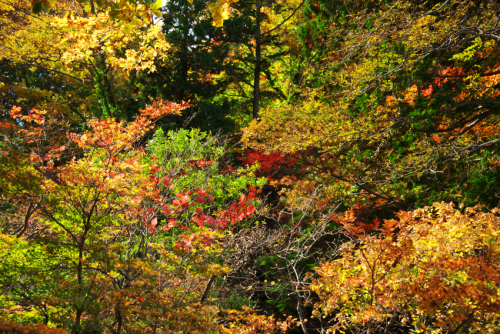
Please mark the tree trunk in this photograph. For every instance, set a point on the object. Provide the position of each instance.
(256, 74)
(302, 316)
(207, 289)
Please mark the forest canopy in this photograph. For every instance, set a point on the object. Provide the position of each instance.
(278, 166)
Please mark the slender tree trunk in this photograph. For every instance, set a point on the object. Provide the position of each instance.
(302, 316)
(119, 319)
(181, 94)
(31, 209)
(256, 74)
(207, 289)
(76, 327)
(80, 263)
(79, 308)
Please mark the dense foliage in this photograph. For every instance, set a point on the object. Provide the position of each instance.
(298, 166)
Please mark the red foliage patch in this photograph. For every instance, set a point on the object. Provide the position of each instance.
(273, 166)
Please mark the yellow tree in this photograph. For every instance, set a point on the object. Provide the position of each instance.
(399, 108)
(84, 55)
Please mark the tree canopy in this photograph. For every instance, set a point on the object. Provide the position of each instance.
(278, 166)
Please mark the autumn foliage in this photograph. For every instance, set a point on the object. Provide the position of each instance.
(336, 168)
(273, 165)
(431, 269)
(94, 203)
(29, 329)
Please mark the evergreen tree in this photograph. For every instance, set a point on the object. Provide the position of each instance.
(198, 55)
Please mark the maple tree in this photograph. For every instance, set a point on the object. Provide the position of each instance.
(272, 166)
(99, 226)
(389, 116)
(129, 11)
(89, 62)
(434, 270)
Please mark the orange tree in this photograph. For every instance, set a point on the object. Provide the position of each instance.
(433, 270)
